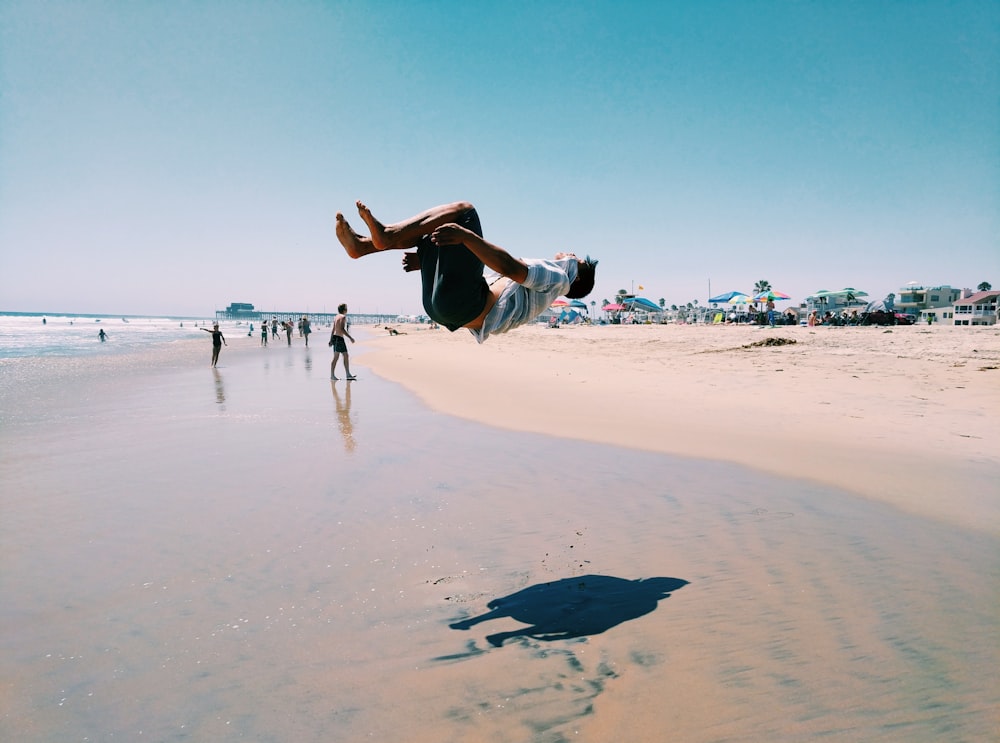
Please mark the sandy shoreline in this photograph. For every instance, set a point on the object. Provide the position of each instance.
(258, 553)
(906, 416)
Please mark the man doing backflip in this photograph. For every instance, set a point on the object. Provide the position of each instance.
(451, 254)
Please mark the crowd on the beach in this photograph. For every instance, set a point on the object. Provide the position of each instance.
(270, 331)
(285, 326)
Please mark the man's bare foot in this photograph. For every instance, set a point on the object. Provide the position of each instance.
(355, 244)
(382, 236)
(411, 262)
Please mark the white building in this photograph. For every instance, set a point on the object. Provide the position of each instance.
(919, 300)
(976, 309)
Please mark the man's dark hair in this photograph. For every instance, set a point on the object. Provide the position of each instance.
(342, 308)
(584, 283)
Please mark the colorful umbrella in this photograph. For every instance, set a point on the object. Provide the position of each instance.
(560, 303)
(770, 294)
(613, 307)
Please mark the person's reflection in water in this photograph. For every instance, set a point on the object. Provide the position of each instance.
(343, 406)
(220, 391)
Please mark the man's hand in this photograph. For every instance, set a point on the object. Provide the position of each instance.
(411, 262)
(450, 234)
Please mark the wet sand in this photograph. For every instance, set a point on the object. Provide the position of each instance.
(260, 554)
(904, 415)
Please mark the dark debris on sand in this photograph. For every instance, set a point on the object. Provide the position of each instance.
(772, 342)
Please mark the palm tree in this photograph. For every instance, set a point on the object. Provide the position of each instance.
(985, 286)
(663, 303)
(762, 286)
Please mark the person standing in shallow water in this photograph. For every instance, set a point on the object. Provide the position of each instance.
(337, 336)
(102, 335)
(217, 340)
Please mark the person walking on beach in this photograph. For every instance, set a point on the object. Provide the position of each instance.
(306, 329)
(274, 327)
(217, 340)
(263, 333)
(451, 254)
(287, 325)
(337, 336)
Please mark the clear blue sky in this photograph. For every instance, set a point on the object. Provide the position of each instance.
(173, 157)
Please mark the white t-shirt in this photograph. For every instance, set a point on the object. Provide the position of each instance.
(521, 303)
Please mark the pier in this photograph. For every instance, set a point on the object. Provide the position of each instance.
(243, 312)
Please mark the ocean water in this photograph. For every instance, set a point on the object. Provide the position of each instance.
(255, 552)
(25, 334)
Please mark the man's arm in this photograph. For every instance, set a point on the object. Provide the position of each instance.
(493, 256)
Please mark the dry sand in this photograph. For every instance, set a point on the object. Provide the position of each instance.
(906, 415)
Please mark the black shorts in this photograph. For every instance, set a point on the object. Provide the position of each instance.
(454, 290)
(339, 346)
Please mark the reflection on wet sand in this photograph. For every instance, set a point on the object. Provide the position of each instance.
(343, 406)
(220, 390)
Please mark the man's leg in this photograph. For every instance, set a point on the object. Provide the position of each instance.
(398, 236)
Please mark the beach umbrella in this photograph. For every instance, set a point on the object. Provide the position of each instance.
(770, 294)
(613, 307)
(560, 303)
(728, 297)
(578, 304)
(741, 299)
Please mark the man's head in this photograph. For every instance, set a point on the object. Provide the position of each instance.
(584, 283)
(342, 308)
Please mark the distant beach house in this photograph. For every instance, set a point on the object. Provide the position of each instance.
(976, 309)
(927, 301)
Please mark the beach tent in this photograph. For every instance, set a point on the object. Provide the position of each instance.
(641, 303)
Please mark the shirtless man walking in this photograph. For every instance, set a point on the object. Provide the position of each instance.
(337, 336)
(451, 254)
